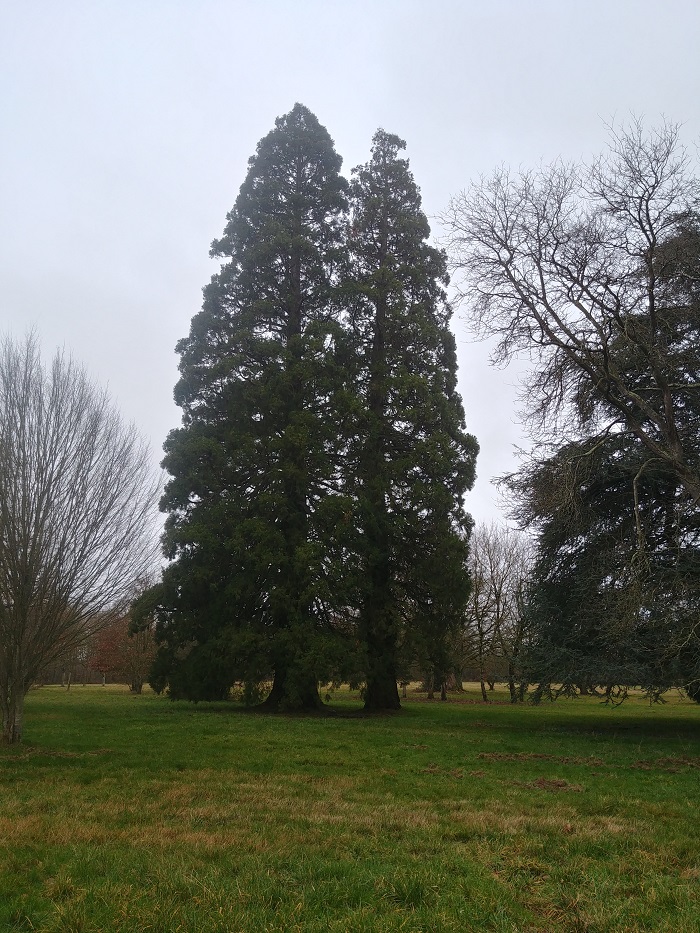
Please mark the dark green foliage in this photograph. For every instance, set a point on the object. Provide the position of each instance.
(607, 611)
(315, 513)
(616, 592)
(253, 498)
(410, 460)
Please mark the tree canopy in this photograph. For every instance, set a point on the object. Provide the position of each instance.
(315, 509)
(594, 271)
(253, 464)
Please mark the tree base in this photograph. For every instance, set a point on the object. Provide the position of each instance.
(288, 698)
(382, 696)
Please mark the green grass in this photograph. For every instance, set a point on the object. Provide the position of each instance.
(124, 813)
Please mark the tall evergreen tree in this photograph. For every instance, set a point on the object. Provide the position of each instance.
(254, 496)
(412, 461)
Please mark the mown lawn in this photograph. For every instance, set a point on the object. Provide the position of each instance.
(125, 813)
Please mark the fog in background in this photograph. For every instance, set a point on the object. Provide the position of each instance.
(127, 125)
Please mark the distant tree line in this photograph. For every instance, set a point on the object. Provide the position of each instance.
(112, 652)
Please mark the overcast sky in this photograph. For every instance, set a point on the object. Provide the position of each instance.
(127, 124)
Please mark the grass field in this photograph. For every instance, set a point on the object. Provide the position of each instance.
(125, 813)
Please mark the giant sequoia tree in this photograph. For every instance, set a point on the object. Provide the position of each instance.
(411, 461)
(253, 497)
(316, 523)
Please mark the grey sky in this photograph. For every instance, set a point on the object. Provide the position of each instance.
(127, 124)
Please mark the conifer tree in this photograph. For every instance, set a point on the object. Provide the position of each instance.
(412, 461)
(254, 500)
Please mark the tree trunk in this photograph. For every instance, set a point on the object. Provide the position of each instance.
(454, 681)
(382, 693)
(303, 698)
(482, 681)
(12, 714)
(308, 699)
(378, 625)
(511, 683)
(382, 689)
(443, 691)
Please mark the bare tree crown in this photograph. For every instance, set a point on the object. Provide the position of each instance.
(77, 512)
(568, 264)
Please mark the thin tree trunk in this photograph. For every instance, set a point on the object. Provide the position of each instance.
(454, 681)
(511, 683)
(482, 680)
(12, 714)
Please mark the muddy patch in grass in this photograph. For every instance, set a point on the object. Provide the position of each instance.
(553, 785)
(535, 756)
(671, 764)
(447, 772)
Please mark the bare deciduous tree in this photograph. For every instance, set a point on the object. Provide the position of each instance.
(77, 509)
(570, 264)
(124, 654)
(499, 564)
